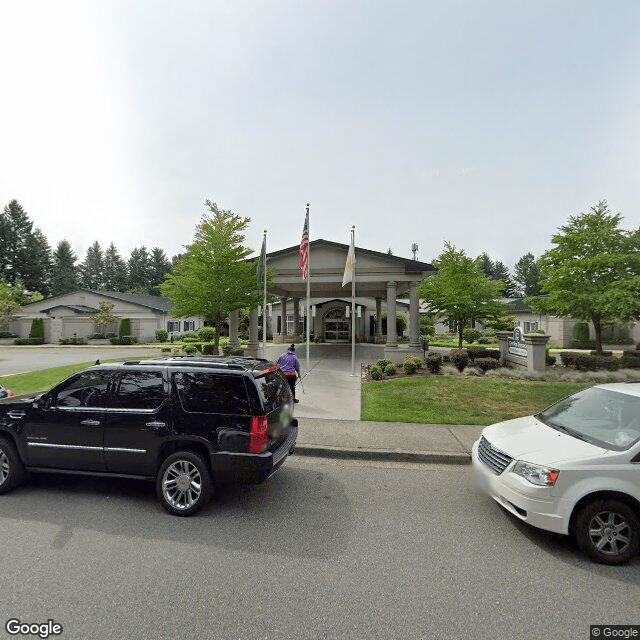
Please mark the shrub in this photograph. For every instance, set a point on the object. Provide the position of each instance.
(162, 335)
(189, 349)
(73, 340)
(471, 335)
(448, 370)
(459, 358)
(21, 341)
(125, 327)
(581, 336)
(7, 334)
(485, 364)
(206, 334)
(484, 340)
(604, 353)
(472, 371)
(569, 358)
(434, 362)
(376, 373)
(228, 350)
(476, 352)
(165, 350)
(124, 340)
(383, 363)
(584, 362)
(37, 328)
(409, 366)
(629, 362)
(631, 354)
(549, 359)
(208, 348)
(390, 369)
(97, 336)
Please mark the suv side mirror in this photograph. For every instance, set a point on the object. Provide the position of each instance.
(43, 401)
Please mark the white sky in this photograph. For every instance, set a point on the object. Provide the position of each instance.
(485, 124)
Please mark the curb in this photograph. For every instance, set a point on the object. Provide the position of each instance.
(340, 453)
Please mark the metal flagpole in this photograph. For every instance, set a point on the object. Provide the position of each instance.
(353, 304)
(308, 290)
(264, 301)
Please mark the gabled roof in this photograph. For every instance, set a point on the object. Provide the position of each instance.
(157, 303)
(410, 266)
(78, 308)
(516, 305)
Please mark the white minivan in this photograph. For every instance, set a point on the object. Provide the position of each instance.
(573, 468)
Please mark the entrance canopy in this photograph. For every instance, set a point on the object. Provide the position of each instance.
(374, 270)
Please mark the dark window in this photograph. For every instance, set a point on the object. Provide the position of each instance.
(140, 390)
(212, 393)
(275, 391)
(89, 389)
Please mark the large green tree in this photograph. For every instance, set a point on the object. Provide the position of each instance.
(461, 291)
(92, 269)
(36, 272)
(527, 276)
(593, 272)
(116, 276)
(497, 271)
(139, 270)
(15, 230)
(64, 276)
(159, 266)
(214, 277)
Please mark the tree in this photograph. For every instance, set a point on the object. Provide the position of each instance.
(15, 229)
(139, 270)
(593, 272)
(460, 290)
(9, 301)
(497, 271)
(214, 277)
(36, 272)
(159, 265)
(105, 316)
(92, 269)
(64, 275)
(527, 276)
(116, 276)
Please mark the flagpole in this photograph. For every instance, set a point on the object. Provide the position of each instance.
(264, 304)
(308, 291)
(353, 305)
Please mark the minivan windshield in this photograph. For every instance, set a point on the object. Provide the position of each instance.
(603, 417)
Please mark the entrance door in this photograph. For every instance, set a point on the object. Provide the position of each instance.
(337, 330)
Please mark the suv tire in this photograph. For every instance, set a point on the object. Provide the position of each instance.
(183, 483)
(11, 468)
(608, 531)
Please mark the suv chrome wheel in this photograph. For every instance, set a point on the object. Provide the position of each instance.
(4, 467)
(608, 531)
(183, 483)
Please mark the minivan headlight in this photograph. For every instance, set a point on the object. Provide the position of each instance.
(535, 473)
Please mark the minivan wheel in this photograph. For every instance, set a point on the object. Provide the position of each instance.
(11, 467)
(608, 531)
(184, 483)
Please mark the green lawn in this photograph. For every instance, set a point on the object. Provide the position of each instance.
(458, 400)
(37, 381)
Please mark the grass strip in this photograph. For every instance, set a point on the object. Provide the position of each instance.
(459, 400)
(37, 381)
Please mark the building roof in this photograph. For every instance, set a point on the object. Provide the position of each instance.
(157, 303)
(516, 305)
(78, 308)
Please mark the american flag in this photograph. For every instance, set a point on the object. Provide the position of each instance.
(303, 263)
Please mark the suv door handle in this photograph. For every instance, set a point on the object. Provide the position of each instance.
(156, 424)
(91, 423)
(16, 414)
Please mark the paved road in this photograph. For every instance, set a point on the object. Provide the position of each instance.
(322, 550)
(22, 359)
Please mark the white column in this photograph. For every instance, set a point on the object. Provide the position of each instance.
(392, 336)
(414, 316)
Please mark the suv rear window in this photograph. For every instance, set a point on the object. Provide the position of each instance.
(212, 393)
(140, 390)
(275, 391)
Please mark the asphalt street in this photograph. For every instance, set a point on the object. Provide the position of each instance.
(324, 549)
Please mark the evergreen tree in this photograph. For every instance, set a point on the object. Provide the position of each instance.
(485, 264)
(139, 270)
(527, 276)
(501, 272)
(64, 277)
(116, 275)
(159, 266)
(36, 271)
(15, 229)
(92, 269)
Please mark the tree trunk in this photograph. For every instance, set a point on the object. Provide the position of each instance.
(597, 325)
(460, 330)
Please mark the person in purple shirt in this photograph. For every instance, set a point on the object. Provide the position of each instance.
(291, 368)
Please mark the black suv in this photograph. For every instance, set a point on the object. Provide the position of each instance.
(187, 423)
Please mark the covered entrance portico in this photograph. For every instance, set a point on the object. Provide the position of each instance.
(380, 279)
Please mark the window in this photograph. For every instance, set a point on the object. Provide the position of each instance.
(140, 390)
(189, 325)
(89, 389)
(530, 326)
(289, 324)
(173, 326)
(212, 393)
(275, 391)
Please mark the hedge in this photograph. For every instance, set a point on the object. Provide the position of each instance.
(434, 362)
(20, 341)
(486, 363)
(73, 340)
(124, 340)
(125, 328)
(37, 328)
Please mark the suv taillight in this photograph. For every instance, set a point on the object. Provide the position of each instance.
(259, 434)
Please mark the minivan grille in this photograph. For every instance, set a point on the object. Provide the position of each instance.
(495, 459)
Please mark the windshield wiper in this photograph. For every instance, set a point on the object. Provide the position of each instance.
(568, 431)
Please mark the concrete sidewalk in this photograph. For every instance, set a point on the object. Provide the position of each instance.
(329, 410)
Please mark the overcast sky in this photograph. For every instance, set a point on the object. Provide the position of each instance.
(482, 123)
